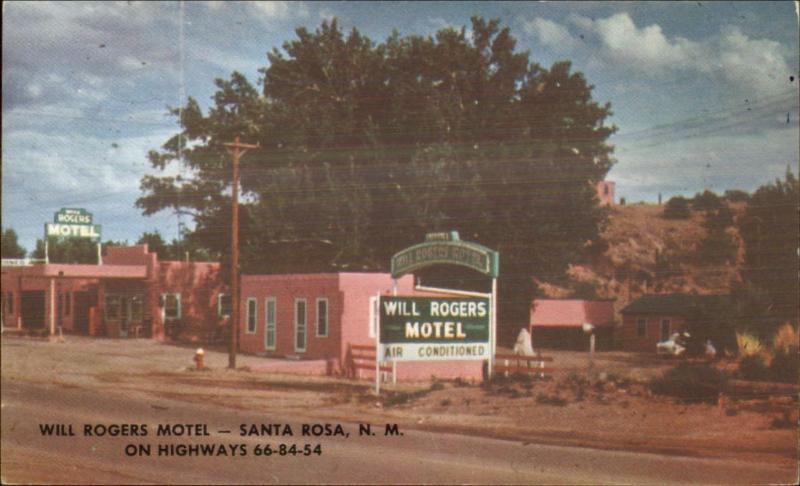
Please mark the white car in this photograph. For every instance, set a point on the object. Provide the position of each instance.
(674, 346)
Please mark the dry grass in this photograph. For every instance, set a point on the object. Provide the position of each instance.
(636, 233)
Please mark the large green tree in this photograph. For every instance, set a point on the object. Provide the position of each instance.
(70, 250)
(365, 148)
(10, 244)
(770, 228)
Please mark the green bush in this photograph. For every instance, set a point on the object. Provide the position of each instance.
(785, 367)
(736, 195)
(706, 201)
(677, 208)
(690, 382)
(752, 367)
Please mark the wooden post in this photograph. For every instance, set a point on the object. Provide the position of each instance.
(591, 357)
(236, 149)
(493, 325)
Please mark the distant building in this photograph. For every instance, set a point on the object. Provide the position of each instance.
(653, 318)
(558, 323)
(605, 192)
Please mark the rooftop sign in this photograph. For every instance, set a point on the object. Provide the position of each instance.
(446, 248)
(72, 223)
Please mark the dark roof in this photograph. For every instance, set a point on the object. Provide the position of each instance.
(674, 304)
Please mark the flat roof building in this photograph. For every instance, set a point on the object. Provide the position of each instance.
(132, 294)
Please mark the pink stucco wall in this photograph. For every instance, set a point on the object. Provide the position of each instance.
(129, 270)
(348, 296)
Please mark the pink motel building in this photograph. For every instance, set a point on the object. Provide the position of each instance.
(132, 294)
(307, 321)
(318, 316)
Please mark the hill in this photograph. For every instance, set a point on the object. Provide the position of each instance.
(643, 252)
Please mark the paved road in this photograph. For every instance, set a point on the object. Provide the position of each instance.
(416, 457)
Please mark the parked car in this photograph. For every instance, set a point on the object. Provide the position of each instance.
(675, 346)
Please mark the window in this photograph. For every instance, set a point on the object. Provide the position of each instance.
(300, 324)
(67, 303)
(172, 306)
(10, 302)
(113, 307)
(269, 322)
(322, 317)
(641, 327)
(224, 305)
(251, 315)
(665, 329)
(136, 308)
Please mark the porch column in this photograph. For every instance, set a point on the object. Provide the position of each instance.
(52, 307)
(18, 303)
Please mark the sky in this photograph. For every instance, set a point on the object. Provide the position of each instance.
(704, 94)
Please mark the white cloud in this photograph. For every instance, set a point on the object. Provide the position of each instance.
(757, 63)
(751, 65)
(271, 11)
(648, 46)
(550, 33)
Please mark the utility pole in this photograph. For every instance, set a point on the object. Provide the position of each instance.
(236, 149)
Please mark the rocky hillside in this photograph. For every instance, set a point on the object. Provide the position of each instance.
(643, 252)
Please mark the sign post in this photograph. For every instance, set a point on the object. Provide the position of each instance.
(72, 223)
(441, 248)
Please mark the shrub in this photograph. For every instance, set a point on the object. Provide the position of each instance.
(677, 208)
(400, 398)
(736, 195)
(690, 382)
(748, 344)
(752, 367)
(706, 201)
(785, 339)
(785, 367)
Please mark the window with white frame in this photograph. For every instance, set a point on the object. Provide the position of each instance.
(322, 317)
(223, 305)
(270, 315)
(300, 324)
(172, 306)
(641, 327)
(252, 305)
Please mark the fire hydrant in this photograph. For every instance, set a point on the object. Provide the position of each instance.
(198, 358)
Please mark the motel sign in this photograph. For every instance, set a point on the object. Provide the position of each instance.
(434, 328)
(72, 223)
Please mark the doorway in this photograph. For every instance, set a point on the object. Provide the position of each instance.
(82, 302)
(33, 302)
(124, 315)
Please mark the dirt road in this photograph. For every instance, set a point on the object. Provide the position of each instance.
(414, 457)
(624, 435)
